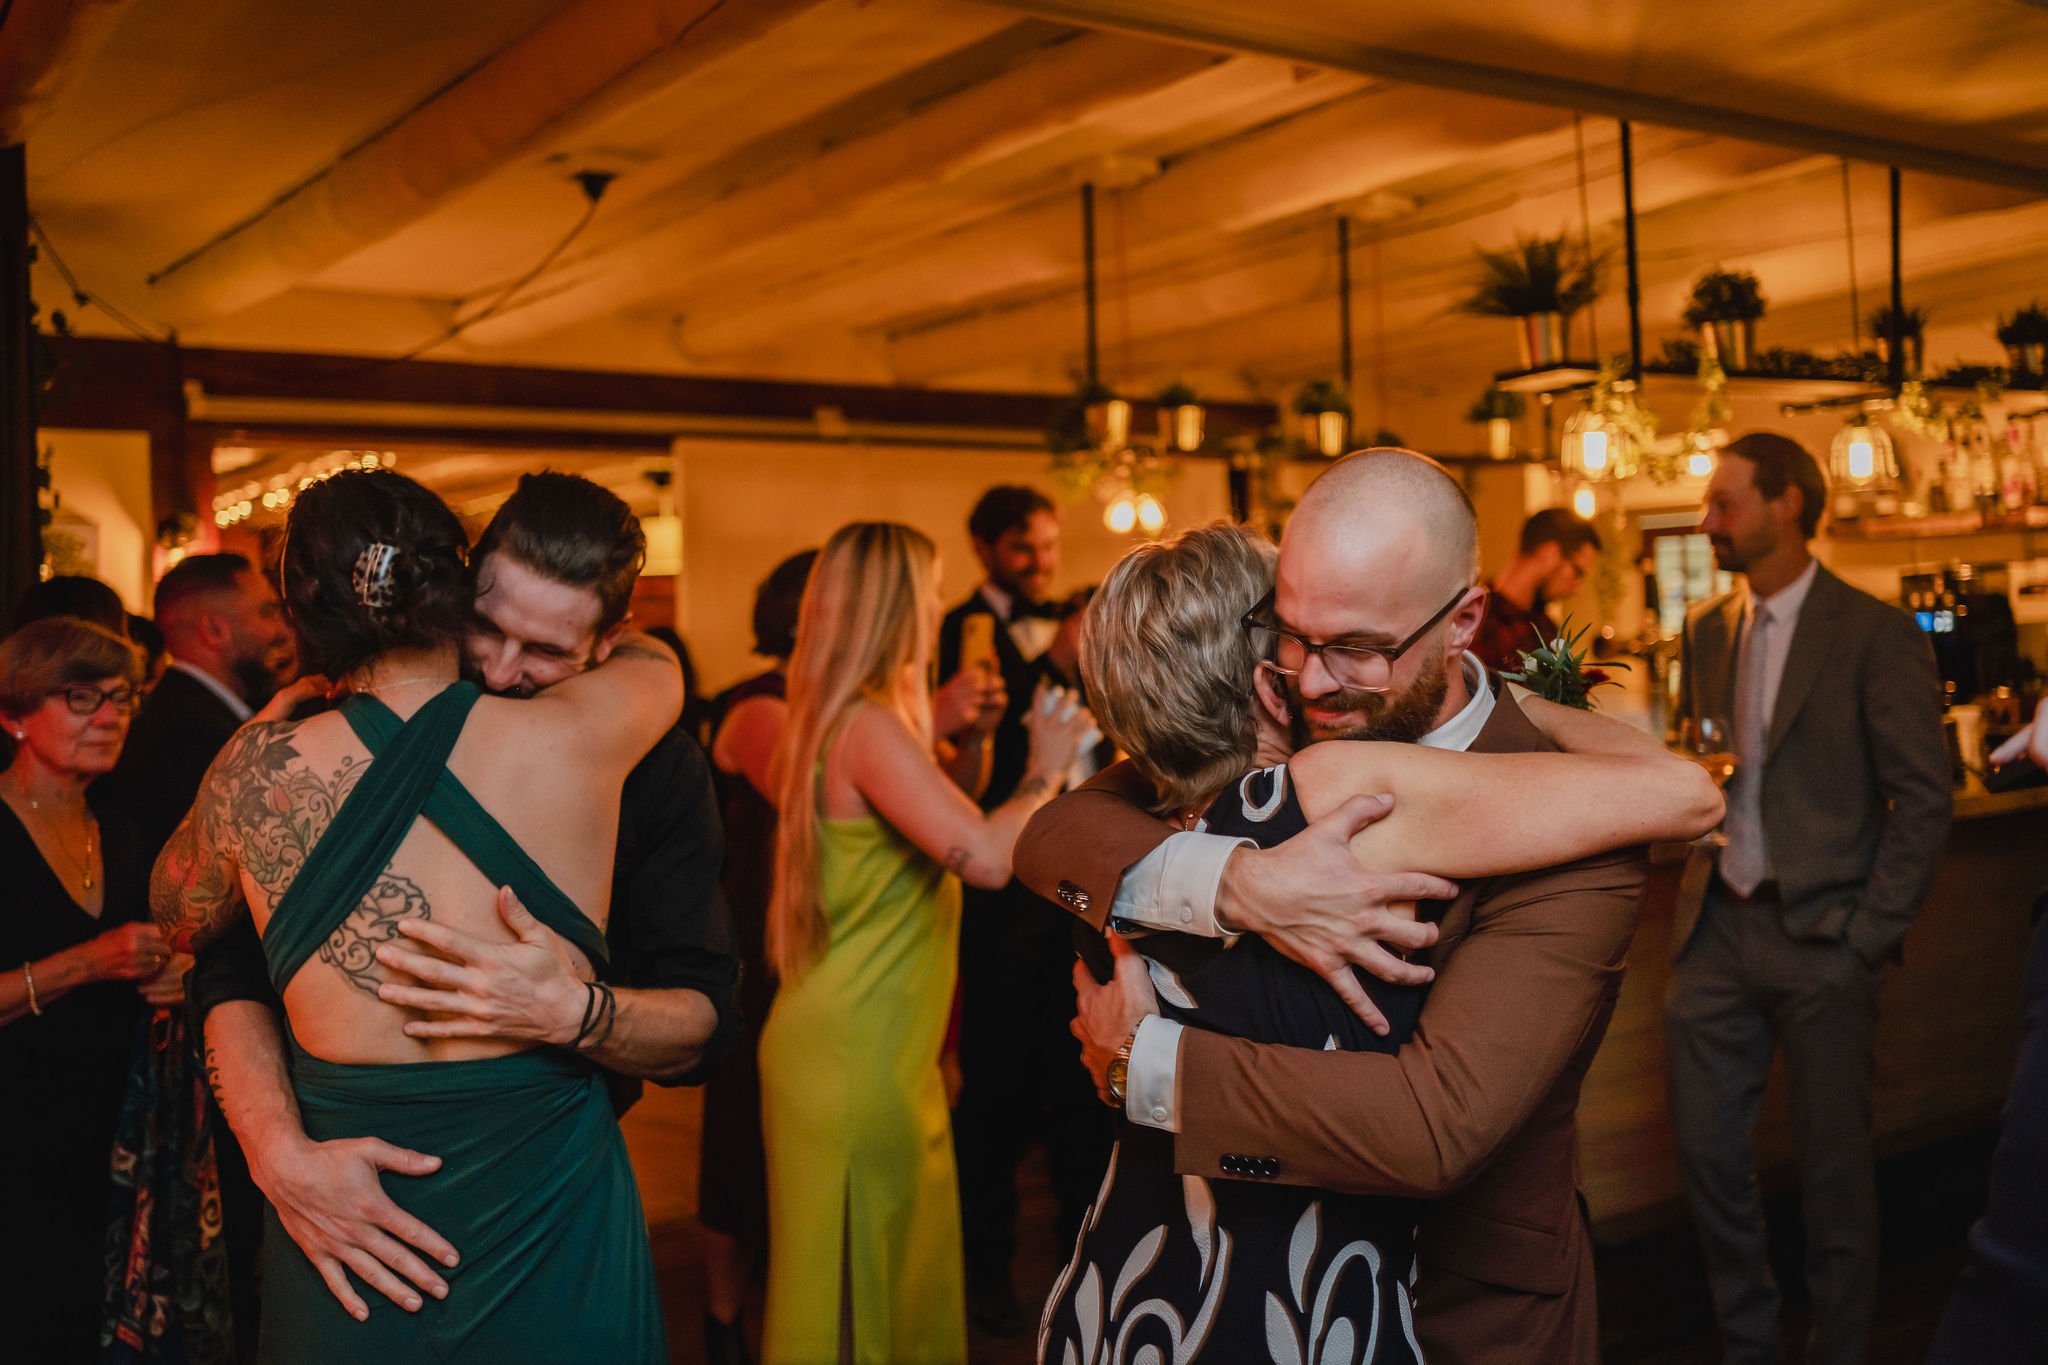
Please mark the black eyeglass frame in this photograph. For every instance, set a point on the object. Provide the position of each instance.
(123, 699)
(1251, 621)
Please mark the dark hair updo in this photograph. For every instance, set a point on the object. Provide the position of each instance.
(349, 600)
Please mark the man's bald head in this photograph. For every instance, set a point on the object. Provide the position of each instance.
(1383, 544)
(1388, 495)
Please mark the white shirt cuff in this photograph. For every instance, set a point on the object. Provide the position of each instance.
(1151, 1083)
(1174, 886)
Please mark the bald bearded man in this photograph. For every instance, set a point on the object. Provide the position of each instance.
(1476, 1112)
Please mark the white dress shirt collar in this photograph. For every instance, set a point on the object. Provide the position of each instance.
(1785, 604)
(228, 697)
(1460, 730)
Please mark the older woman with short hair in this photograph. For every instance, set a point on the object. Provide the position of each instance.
(79, 962)
(1239, 1270)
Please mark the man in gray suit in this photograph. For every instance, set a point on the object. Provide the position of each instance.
(1836, 813)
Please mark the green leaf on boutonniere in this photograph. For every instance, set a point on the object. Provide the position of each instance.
(1558, 672)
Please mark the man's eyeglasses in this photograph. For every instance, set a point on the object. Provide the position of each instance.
(1354, 667)
(86, 701)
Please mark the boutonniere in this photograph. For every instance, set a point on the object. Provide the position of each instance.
(1558, 671)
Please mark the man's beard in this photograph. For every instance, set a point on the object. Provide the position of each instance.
(255, 679)
(1398, 717)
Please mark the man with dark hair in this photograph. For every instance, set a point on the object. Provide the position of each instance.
(1558, 552)
(671, 943)
(88, 599)
(1836, 812)
(1019, 1080)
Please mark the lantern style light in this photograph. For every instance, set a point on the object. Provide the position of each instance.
(1584, 502)
(1596, 450)
(1332, 429)
(1121, 516)
(1109, 423)
(1151, 514)
(1863, 458)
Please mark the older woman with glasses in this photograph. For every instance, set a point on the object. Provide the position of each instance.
(79, 961)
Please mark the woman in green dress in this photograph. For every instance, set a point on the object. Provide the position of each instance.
(419, 799)
(874, 841)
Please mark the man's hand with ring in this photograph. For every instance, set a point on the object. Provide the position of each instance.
(1107, 1012)
(1316, 903)
(525, 991)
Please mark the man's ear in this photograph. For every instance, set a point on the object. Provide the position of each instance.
(602, 650)
(1465, 621)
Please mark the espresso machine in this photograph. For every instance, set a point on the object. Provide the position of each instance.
(1966, 611)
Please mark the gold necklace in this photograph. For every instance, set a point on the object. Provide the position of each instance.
(85, 867)
(403, 682)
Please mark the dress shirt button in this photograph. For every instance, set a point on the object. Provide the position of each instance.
(1187, 916)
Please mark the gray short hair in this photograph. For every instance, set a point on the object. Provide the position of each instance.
(1167, 665)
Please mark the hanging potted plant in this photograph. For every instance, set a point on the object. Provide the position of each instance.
(1180, 418)
(1912, 323)
(1723, 309)
(1499, 410)
(2025, 338)
(1541, 282)
(1325, 411)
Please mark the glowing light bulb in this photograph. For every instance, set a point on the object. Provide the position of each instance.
(1593, 451)
(1583, 503)
(1151, 515)
(1862, 460)
(1699, 464)
(1121, 516)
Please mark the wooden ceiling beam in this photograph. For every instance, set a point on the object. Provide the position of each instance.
(1263, 30)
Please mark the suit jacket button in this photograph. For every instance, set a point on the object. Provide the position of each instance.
(1074, 897)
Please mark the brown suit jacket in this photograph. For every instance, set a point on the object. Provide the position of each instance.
(1476, 1112)
(1856, 795)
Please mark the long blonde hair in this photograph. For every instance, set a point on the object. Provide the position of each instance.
(863, 634)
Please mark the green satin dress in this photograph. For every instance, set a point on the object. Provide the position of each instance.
(861, 1190)
(534, 1191)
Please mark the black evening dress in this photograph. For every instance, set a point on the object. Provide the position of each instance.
(63, 1073)
(732, 1180)
(1181, 1268)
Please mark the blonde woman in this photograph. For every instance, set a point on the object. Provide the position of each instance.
(873, 843)
(1236, 1269)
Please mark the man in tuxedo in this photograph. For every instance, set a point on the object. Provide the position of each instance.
(1837, 810)
(1559, 550)
(1019, 1080)
(1477, 1112)
(230, 649)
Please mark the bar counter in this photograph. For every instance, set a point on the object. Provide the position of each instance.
(1947, 1035)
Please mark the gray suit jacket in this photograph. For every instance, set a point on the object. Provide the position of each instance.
(1856, 793)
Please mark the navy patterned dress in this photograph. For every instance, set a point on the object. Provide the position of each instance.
(1173, 1268)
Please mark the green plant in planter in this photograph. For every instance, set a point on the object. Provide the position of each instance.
(1678, 355)
(1539, 275)
(1177, 395)
(2026, 327)
(1724, 296)
(1497, 405)
(1321, 395)
(1069, 429)
(1912, 322)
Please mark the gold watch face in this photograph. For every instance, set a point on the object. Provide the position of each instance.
(1119, 1075)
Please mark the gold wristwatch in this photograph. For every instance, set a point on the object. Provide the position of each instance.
(1120, 1069)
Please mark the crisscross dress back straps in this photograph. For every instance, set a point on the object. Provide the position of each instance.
(407, 778)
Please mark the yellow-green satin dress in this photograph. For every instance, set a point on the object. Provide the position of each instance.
(858, 1138)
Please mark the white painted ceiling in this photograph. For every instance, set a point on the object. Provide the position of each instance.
(887, 190)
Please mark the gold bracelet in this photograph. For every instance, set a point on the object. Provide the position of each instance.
(35, 1006)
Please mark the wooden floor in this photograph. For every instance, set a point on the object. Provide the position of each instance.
(1654, 1308)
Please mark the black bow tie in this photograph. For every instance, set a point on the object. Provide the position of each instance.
(1020, 610)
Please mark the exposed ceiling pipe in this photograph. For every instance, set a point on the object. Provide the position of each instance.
(947, 137)
(529, 88)
(47, 44)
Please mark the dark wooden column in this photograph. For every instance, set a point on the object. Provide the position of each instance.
(21, 532)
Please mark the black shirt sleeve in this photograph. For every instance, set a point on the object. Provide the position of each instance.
(670, 929)
(229, 968)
